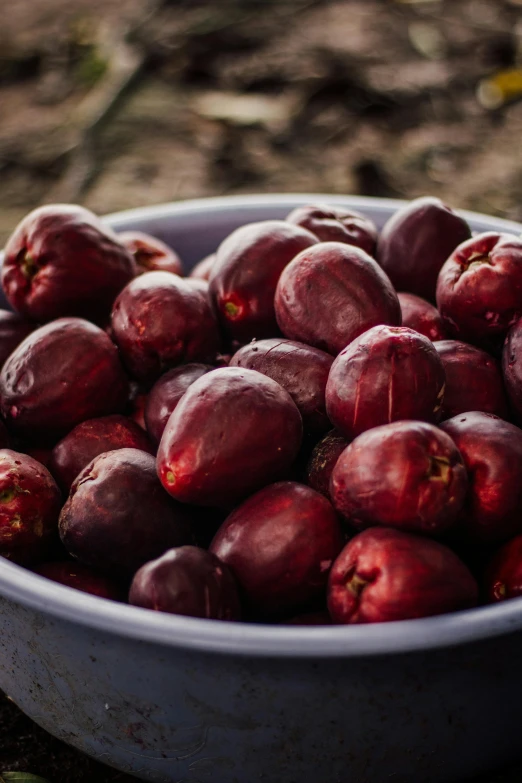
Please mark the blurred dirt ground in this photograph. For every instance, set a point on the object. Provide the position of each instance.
(120, 103)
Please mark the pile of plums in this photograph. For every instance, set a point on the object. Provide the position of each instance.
(318, 425)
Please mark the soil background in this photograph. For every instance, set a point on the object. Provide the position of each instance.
(121, 103)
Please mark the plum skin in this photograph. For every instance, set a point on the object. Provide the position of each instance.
(167, 392)
(118, 516)
(233, 431)
(322, 461)
(280, 544)
(30, 502)
(512, 368)
(13, 329)
(421, 315)
(80, 577)
(61, 374)
(387, 374)
(150, 253)
(384, 574)
(407, 475)
(62, 260)
(337, 224)
(503, 578)
(330, 294)
(187, 581)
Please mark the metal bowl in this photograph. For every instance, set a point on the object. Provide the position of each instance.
(182, 700)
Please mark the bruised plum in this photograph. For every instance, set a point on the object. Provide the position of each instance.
(416, 241)
(90, 439)
(280, 544)
(150, 253)
(503, 579)
(62, 374)
(13, 329)
(473, 380)
(387, 374)
(384, 575)
(422, 316)
(479, 289)
(73, 574)
(167, 392)
(160, 321)
(244, 275)
(492, 452)
(187, 581)
(118, 516)
(512, 368)
(408, 475)
(29, 506)
(337, 224)
(63, 260)
(331, 293)
(232, 432)
(322, 461)
(299, 368)
(203, 268)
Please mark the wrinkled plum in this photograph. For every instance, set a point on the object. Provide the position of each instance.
(503, 578)
(232, 432)
(90, 439)
(322, 461)
(299, 368)
(62, 374)
(73, 574)
(492, 452)
(422, 316)
(331, 293)
(203, 268)
(512, 368)
(387, 374)
(416, 241)
(29, 506)
(118, 516)
(63, 260)
(478, 289)
(167, 392)
(160, 321)
(280, 544)
(244, 276)
(151, 254)
(337, 224)
(384, 574)
(13, 329)
(407, 475)
(187, 581)
(473, 380)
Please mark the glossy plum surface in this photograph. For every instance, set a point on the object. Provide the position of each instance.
(151, 254)
(421, 315)
(167, 392)
(337, 224)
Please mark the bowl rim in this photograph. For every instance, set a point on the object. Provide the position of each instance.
(33, 591)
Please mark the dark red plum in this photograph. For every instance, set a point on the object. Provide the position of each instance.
(73, 574)
(387, 374)
(62, 374)
(322, 461)
(512, 368)
(407, 475)
(421, 315)
(90, 439)
(160, 321)
(118, 516)
(473, 380)
(416, 241)
(492, 452)
(151, 254)
(479, 289)
(337, 224)
(384, 575)
(63, 260)
(232, 432)
(13, 329)
(503, 578)
(167, 392)
(330, 294)
(280, 544)
(187, 581)
(298, 368)
(138, 403)
(203, 268)
(244, 275)
(30, 503)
